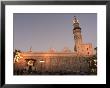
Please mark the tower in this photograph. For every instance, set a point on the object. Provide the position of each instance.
(77, 34)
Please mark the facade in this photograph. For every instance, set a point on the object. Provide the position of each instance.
(53, 61)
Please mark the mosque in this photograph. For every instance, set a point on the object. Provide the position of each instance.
(53, 61)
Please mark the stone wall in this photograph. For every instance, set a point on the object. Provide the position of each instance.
(56, 64)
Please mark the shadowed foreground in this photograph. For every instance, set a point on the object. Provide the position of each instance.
(67, 66)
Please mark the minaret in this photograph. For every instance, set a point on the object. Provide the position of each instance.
(77, 33)
(30, 49)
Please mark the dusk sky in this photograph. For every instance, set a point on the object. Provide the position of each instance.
(43, 31)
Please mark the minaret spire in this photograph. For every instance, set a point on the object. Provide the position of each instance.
(75, 20)
(30, 49)
(77, 33)
(76, 23)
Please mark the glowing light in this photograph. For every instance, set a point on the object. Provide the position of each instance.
(42, 61)
(17, 57)
(30, 63)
